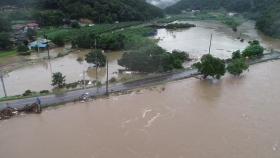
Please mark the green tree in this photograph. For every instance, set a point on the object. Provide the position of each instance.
(49, 18)
(236, 55)
(5, 25)
(237, 66)
(96, 57)
(58, 40)
(58, 80)
(211, 66)
(253, 50)
(22, 49)
(31, 34)
(5, 42)
(152, 59)
(112, 41)
(85, 40)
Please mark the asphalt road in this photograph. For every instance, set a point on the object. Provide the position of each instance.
(75, 95)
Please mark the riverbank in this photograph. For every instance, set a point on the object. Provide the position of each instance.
(50, 100)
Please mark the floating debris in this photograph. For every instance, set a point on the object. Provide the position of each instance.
(9, 112)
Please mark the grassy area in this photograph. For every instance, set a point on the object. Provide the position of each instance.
(9, 53)
(69, 33)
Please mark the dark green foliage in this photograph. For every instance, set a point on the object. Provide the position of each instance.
(5, 42)
(49, 18)
(211, 66)
(58, 80)
(44, 92)
(5, 25)
(179, 26)
(23, 50)
(58, 40)
(237, 66)
(75, 24)
(101, 11)
(96, 57)
(31, 34)
(173, 26)
(253, 50)
(109, 41)
(181, 55)
(113, 80)
(112, 41)
(85, 40)
(27, 93)
(236, 55)
(18, 3)
(152, 59)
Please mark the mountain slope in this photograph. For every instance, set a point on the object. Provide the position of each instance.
(97, 10)
(265, 12)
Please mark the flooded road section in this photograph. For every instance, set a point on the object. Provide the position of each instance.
(233, 118)
(38, 76)
(196, 40)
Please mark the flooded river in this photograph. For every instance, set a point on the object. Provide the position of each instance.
(233, 118)
(196, 40)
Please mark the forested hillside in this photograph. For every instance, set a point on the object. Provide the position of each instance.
(265, 12)
(96, 10)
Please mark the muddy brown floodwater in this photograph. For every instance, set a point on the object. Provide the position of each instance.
(196, 40)
(232, 118)
(38, 76)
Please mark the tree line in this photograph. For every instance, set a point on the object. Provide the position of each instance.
(216, 68)
(265, 12)
(52, 12)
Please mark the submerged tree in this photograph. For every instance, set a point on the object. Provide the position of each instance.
(153, 59)
(236, 55)
(96, 57)
(211, 66)
(253, 50)
(58, 80)
(237, 66)
(5, 42)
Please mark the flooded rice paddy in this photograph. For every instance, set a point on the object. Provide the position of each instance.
(195, 41)
(38, 76)
(231, 118)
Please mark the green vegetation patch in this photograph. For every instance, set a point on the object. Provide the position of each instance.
(9, 53)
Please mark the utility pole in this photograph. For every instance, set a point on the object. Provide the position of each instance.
(210, 43)
(38, 49)
(3, 84)
(107, 81)
(47, 42)
(84, 79)
(96, 61)
(48, 49)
